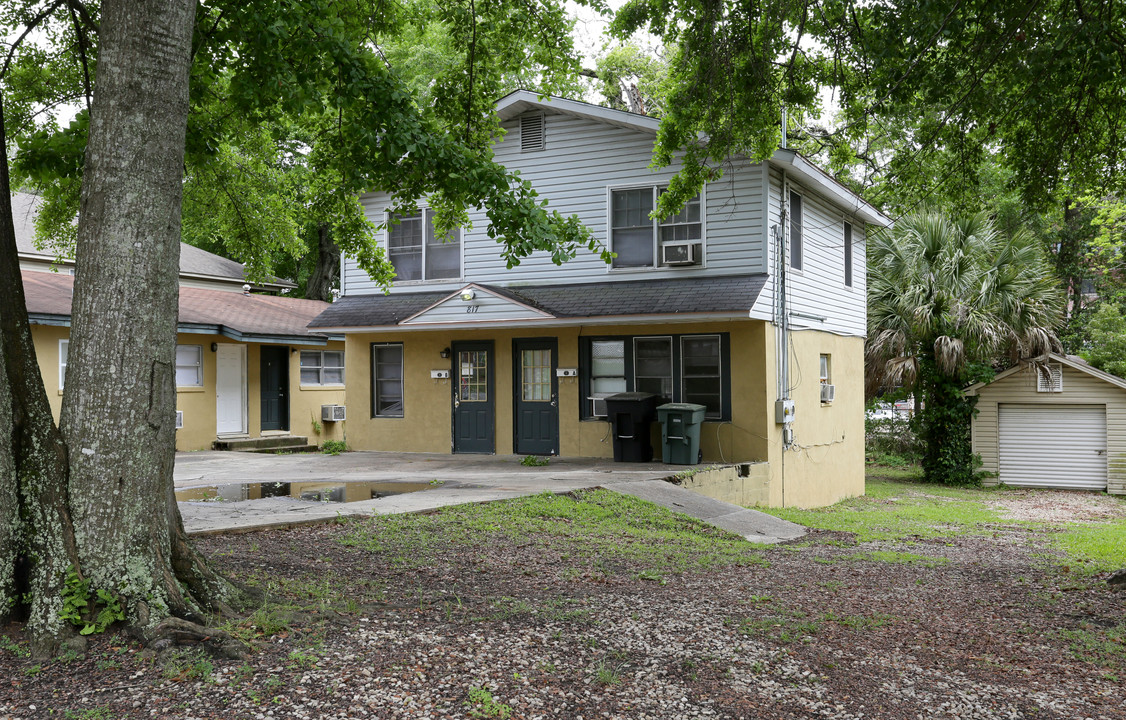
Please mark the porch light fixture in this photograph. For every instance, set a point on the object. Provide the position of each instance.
(468, 294)
(444, 353)
(214, 346)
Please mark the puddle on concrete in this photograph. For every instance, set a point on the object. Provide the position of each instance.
(324, 492)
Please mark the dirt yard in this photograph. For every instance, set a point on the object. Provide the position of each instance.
(590, 607)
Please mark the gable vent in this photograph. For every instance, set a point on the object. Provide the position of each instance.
(1049, 378)
(531, 132)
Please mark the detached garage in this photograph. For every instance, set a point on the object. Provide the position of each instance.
(1054, 424)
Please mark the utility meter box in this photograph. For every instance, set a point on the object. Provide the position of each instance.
(783, 411)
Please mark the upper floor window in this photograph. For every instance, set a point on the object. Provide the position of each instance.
(795, 231)
(322, 367)
(418, 253)
(848, 254)
(189, 366)
(636, 237)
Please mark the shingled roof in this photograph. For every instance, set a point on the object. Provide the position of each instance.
(235, 315)
(730, 294)
(194, 262)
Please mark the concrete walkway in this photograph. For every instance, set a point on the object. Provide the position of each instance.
(448, 480)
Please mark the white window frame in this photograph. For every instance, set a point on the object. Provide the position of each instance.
(656, 189)
(198, 366)
(426, 213)
(800, 222)
(825, 369)
(402, 381)
(320, 368)
(64, 352)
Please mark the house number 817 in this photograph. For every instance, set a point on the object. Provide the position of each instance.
(471, 309)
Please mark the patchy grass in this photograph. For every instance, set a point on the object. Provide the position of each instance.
(1103, 647)
(897, 508)
(599, 526)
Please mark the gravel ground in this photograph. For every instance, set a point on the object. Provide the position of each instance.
(963, 628)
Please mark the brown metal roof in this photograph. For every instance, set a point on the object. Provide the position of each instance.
(233, 314)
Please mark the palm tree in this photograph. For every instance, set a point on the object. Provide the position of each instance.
(945, 294)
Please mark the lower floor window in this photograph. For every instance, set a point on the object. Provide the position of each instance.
(189, 365)
(677, 368)
(322, 367)
(387, 380)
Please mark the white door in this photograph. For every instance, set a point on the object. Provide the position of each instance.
(1059, 446)
(230, 389)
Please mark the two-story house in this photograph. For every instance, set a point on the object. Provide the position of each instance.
(464, 355)
(247, 366)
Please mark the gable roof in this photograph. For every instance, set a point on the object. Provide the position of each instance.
(690, 298)
(793, 163)
(1072, 361)
(194, 262)
(244, 317)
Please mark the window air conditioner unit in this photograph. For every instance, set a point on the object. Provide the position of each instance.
(597, 406)
(828, 392)
(179, 419)
(680, 253)
(332, 413)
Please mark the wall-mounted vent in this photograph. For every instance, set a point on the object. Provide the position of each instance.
(531, 132)
(179, 419)
(1049, 378)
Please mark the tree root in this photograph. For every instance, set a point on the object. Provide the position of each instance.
(173, 633)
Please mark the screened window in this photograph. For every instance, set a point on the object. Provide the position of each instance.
(419, 253)
(607, 372)
(795, 231)
(387, 380)
(701, 374)
(189, 365)
(322, 367)
(636, 237)
(652, 365)
(848, 254)
(826, 370)
(64, 347)
(678, 368)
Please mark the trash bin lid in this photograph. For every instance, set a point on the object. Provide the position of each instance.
(631, 397)
(683, 407)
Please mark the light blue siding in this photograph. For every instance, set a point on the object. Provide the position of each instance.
(483, 308)
(582, 160)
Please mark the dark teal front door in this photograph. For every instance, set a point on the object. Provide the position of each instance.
(474, 402)
(275, 387)
(536, 397)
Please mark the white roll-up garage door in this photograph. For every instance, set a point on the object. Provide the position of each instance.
(1060, 446)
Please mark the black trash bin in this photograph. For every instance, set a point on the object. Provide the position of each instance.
(631, 414)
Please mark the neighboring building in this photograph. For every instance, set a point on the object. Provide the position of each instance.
(1054, 423)
(465, 355)
(246, 365)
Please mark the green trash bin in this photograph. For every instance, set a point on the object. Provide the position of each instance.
(680, 432)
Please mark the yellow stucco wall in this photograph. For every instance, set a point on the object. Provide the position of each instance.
(199, 403)
(426, 422)
(826, 462)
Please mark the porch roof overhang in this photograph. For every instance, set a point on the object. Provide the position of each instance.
(603, 303)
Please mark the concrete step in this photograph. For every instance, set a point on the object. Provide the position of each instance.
(287, 450)
(269, 443)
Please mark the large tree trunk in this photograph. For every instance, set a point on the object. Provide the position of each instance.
(120, 395)
(106, 511)
(327, 266)
(36, 538)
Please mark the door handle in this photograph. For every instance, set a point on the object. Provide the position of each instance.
(457, 401)
(553, 400)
